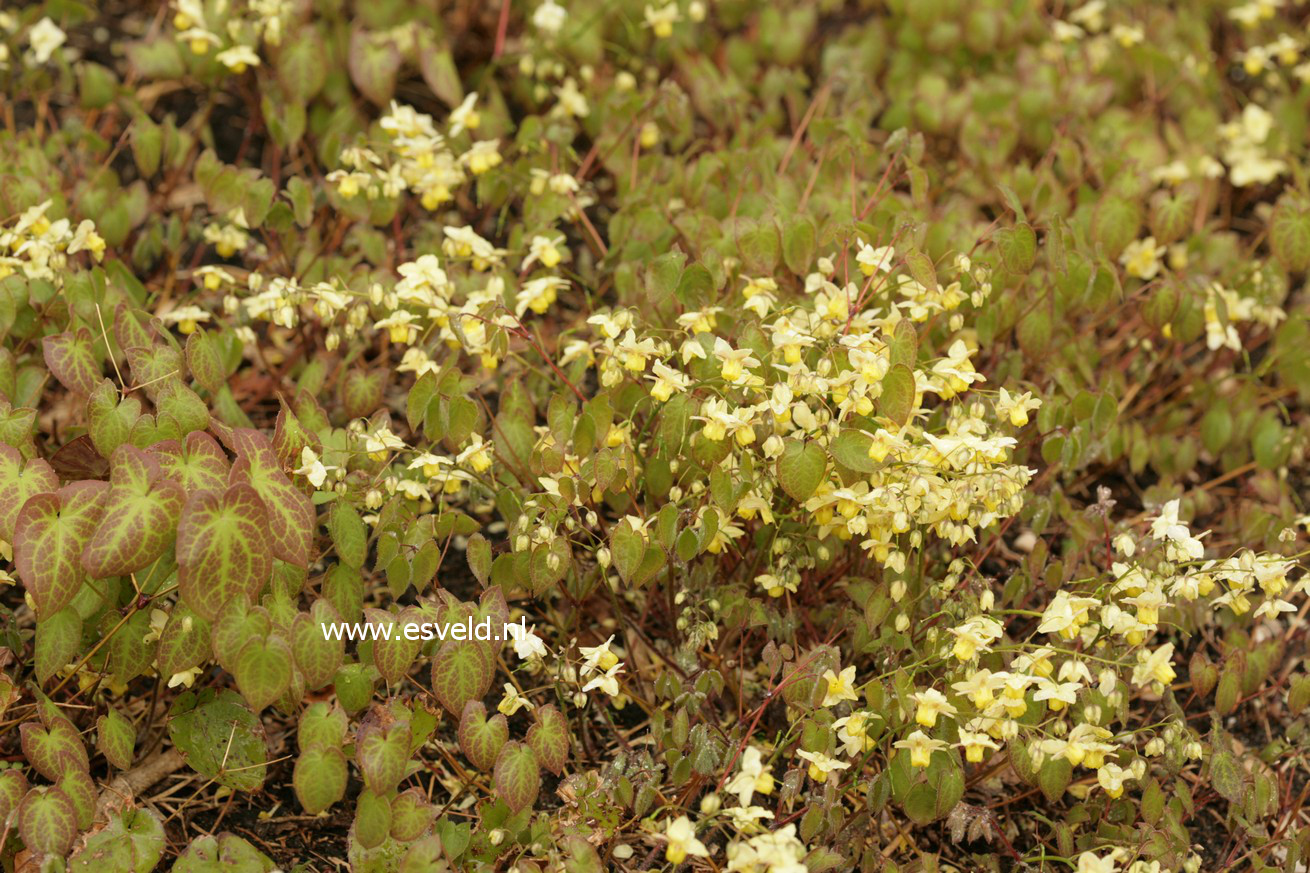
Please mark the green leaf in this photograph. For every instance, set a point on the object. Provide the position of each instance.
(47, 821)
(300, 67)
(798, 243)
(800, 469)
(922, 269)
(348, 534)
(50, 536)
(759, 247)
(226, 854)
(322, 725)
(154, 367)
(13, 785)
(109, 418)
(132, 841)
(263, 670)
(1018, 247)
(116, 738)
(517, 778)
(53, 749)
(320, 778)
(1115, 224)
(317, 656)
(220, 738)
(197, 463)
(19, 480)
(898, 394)
(411, 815)
(462, 671)
(851, 450)
(373, 61)
(478, 553)
(439, 72)
(549, 738)
(140, 517)
(184, 644)
(1226, 776)
(382, 752)
(72, 360)
(481, 738)
(1054, 777)
(205, 361)
(393, 653)
(292, 520)
(1289, 232)
(628, 549)
(372, 820)
(223, 549)
(58, 639)
(904, 345)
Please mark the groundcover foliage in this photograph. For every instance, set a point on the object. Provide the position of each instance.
(886, 418)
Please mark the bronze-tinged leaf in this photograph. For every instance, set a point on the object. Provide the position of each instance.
(19, 480)
(481, 738)
(462, 671)
(223, 549)
(549, 738)
(50, 536)
(292, 519)
(140, 516)
(197, 463)
(78, 459)
(71, 358)
(517, 777)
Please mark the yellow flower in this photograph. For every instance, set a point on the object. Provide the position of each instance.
(920, 746)
(930, 704)
(1141, 258)
(821, 765)
(681, 834)
(841, 686)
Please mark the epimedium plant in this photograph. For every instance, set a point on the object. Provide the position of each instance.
(840, 448)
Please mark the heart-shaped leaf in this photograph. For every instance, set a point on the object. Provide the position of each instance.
(223, 550)
(320, 778)
(479, 737)
(800, 468)
(292, 519)
(549, 738)
(110, 418)
(132, 841)
(318, 656)
(47, 821)
(116, 738)
(184, 643)
(50, 535)
(372, 819)
(53, 749)
(462, 671)
(197, 463)
(411, 815)
(348, 534)
(517, 777)
(897, 399)
(382, 751)
(393, 652)
(19, 480)
(58, 638)
(140, 516)
(205, 362)
(322, 725)
(220, 738)
(227, 854)
(71, 358)
(263, 670)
